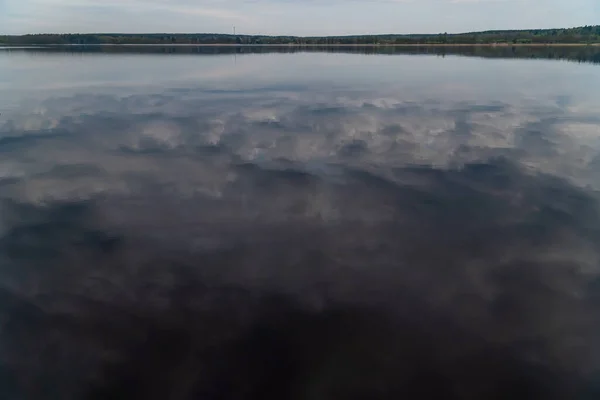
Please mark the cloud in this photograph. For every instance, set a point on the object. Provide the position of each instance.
(96, 16)
(289, 17)
(480, 1)
(168, 7)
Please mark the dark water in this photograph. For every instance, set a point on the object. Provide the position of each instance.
(255, 223)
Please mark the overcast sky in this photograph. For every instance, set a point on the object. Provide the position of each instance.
(297, 17)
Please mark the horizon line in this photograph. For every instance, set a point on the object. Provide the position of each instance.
(294, 36)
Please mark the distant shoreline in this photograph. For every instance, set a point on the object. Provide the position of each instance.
(307, 45)
(578, 36)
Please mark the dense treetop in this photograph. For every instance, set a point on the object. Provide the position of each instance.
(583, 35)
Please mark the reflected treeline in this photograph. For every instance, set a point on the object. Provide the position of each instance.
(588, 54)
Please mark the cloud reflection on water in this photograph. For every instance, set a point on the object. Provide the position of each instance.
(263, 243)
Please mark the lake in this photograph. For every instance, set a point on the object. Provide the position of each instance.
(281, 222)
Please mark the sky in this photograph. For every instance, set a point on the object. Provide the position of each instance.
(291, 17)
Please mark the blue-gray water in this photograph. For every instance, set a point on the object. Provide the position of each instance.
(221, 223)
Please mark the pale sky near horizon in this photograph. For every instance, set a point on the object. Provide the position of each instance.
(291, 17)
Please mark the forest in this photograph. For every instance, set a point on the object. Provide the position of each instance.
(579, 35)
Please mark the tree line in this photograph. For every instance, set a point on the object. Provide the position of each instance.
(579, 35)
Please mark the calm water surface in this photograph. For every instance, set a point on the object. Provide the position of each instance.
(324, 224)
